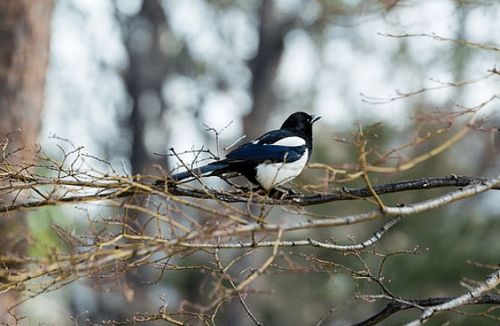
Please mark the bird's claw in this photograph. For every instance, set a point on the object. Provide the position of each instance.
(282, 192)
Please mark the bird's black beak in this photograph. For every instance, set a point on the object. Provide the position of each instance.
(315, 118)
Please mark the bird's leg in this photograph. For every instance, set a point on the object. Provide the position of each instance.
(281, 192)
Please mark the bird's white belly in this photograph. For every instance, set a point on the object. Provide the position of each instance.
(270, 175)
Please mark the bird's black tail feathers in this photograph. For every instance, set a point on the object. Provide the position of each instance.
(202, 171)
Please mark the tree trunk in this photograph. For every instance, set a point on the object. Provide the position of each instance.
(24, 52)
(24, 35)
(148, 67)
(144, 37)
(264, 66)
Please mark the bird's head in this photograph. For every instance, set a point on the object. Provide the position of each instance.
(300, 122)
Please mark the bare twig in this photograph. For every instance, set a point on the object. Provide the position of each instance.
(473, 296)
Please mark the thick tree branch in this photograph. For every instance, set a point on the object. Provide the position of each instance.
(113, 188)
(394, 307)
(472, 297)
(337, 194)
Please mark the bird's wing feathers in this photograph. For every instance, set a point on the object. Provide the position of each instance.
(256, 153)
(273, 146)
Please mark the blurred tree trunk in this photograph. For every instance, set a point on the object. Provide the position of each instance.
(263, 66)
(272, 32)
(144, 38)
(148, 66)
(24, 52)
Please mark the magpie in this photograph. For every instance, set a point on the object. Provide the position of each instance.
(269, 161)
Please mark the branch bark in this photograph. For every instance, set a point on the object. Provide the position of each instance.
(472, 297)
(394, 307)
(112, 188)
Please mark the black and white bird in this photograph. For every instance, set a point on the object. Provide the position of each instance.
(269, 161)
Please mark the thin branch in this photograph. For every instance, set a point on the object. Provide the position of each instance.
(441, 85)
(264, 266)
(434, 36)
(473, 296)
(361, 142)
(296, 243)
(233, 285)
(394, 306)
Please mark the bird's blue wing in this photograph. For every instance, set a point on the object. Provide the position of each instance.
(257, 153)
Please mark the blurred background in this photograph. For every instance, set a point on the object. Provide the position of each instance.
(131, 78)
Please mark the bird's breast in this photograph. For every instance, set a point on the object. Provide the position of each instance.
(270, 175)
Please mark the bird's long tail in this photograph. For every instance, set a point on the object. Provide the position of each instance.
(202, 171)
(205, 170)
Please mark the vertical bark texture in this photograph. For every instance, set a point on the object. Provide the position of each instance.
(24, 51)
(264, 66)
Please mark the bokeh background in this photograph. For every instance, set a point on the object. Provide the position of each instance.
(131, 78)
